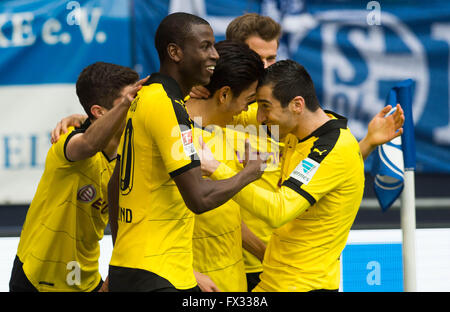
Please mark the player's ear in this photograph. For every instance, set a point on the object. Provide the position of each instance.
(97, 111)
(224, 94)
(297, 104)
(174, 52)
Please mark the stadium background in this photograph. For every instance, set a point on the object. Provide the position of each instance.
(354, 50)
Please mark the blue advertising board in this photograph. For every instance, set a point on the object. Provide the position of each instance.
(372, 267)
(43, 42)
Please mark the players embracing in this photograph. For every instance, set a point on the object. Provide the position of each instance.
(156, 195)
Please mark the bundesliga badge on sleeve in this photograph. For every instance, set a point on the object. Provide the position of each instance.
(188, 142)
(305, 170)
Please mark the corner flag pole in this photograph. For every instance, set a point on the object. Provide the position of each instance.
(408, 224)
(408, 205)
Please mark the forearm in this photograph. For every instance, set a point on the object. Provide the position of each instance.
(252, 243)
(216, 193)
(98, 135)
(201, 195)
(275, 208)
(366, 148)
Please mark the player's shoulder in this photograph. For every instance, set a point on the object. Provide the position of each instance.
(61, 146)
(65, 137)
(152, 94)
(159, 96)
(162, 85)
(57, 152)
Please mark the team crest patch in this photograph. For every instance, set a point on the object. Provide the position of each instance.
(188, 142)
(305, 170)
(87, 193)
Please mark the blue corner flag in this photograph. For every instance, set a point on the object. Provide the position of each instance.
(393, 158)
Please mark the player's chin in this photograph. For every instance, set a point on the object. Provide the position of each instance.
(205, 78)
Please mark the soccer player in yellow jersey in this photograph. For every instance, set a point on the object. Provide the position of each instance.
(217, 241)
(59, 243)
(261, 34)
(322, 184)
(161, 185)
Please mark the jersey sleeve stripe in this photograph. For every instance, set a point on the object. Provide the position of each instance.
(193, 164)
(295, 185)
(82, 129)
(68, 139)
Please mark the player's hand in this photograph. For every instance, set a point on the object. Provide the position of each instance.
(383, 129)
(105, 286)
(131, 92)
(199, 92)
(254, 162)
(136, 87)
(205, 283)
(208, 163)
(74, 120)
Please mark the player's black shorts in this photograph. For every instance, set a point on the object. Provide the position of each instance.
(252, 280)
(123, 279)
(20, 283)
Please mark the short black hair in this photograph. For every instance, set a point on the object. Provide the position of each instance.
(290, 79)
(238, 67)
(101, 83)
(175, 28)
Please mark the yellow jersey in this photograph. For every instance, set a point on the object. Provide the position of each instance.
(59, 243)
(155, 227)
(248, 117)
(217, 233)
(269, 181)
(217, 240)
(322, 188)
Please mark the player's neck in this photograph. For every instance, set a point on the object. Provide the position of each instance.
(309, 122)
(183, 82)
(202, 110)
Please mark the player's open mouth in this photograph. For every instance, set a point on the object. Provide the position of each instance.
(210, 69)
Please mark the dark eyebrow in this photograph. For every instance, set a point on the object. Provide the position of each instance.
(263, 101)
(251, 95)
(207, 41)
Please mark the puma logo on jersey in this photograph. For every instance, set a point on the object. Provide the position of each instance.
(319, 152)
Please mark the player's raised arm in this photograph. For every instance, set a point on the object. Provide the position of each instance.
(382, 129)
(98, 135)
